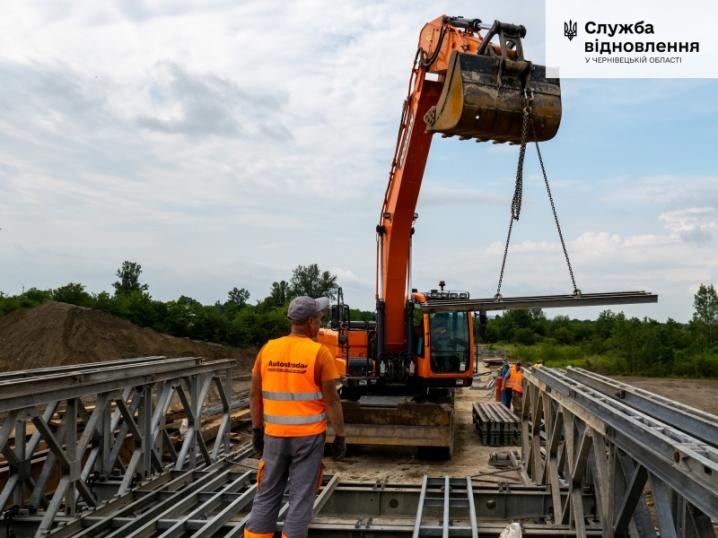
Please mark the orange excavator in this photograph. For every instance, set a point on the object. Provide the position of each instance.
(399, 373)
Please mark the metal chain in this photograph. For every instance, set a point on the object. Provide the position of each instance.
(518, 190)
(518, 194)
(576, 291)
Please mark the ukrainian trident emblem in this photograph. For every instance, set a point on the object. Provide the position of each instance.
(569, 29)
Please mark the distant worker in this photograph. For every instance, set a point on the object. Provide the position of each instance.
(514, 383)
(506, 393)
(439, 329)
(504, 369)
(441, 339)
(293, 393)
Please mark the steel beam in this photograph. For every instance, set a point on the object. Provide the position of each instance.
(694, 422)
(545, 301)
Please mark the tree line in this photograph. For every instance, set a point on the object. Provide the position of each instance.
(612, 344)
(615, 343)
(234, 322)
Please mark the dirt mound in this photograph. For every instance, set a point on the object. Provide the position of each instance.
(58, 334)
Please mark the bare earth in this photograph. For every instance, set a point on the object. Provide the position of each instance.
(699, 393)
(400, 464)
(58, 334)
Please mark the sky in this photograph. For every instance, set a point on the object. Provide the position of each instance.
(221, 144)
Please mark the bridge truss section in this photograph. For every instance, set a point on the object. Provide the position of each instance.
(651, 463)
(74, 437)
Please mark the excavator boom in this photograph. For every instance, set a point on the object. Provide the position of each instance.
(399, 374)
(461, 84)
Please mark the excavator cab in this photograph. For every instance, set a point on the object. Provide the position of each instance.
(450, 350)
(486, 93)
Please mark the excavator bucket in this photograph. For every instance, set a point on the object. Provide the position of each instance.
(484, 94)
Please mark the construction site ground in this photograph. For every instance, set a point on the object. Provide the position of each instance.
(400, 464)
(56, 334)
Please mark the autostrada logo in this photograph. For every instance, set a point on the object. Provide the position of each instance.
(570, 29)
(279, 364)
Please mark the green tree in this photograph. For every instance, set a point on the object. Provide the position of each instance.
(281, 293)
(605, 323)
(138, 308)
(129, 275)
(705, 302)
(238, 297)
(36, 296)
(524, 336)
(72, 293)
(105, 302)
(313, 282)
(563, 336)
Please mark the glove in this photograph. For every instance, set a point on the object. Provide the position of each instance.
(258, 442)
(339, 448)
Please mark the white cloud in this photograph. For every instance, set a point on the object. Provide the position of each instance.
(222, 144)
(693, 224)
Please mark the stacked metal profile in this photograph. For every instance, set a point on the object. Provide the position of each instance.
(496, 424)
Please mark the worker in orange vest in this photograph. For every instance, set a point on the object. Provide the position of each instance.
(293, 393)
(514, 382)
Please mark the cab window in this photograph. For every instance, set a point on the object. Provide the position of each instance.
(449, 332)
(418, 330)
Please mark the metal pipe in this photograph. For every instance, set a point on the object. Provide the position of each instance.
(472, 508)
(420, 507)
(447, 489)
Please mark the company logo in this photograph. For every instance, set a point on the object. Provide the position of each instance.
(287, 364)
(569, 29)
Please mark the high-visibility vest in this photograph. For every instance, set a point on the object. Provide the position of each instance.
(515, 381)
(293, 402)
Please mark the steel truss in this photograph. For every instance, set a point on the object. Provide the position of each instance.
(76, 436)
(215, 502)
(603, 458)
(649, 461)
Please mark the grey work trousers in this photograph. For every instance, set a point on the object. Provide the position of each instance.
(298, 459)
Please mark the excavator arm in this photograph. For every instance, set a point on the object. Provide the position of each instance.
(461, 84)
(398, 373)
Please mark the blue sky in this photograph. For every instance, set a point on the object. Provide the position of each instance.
(221, 144)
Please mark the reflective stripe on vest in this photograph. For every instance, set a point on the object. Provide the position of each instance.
(295, 420)
(293, 402)
(292, 396)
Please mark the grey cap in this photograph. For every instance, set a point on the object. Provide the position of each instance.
(303, 308)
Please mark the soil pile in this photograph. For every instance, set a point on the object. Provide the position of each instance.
(59, 334)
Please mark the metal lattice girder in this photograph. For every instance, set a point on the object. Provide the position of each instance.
(215, 501)
(55, 370)
(43, 389)
(594, 441)
(74, 436)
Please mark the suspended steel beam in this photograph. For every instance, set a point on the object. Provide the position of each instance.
(542, 301)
